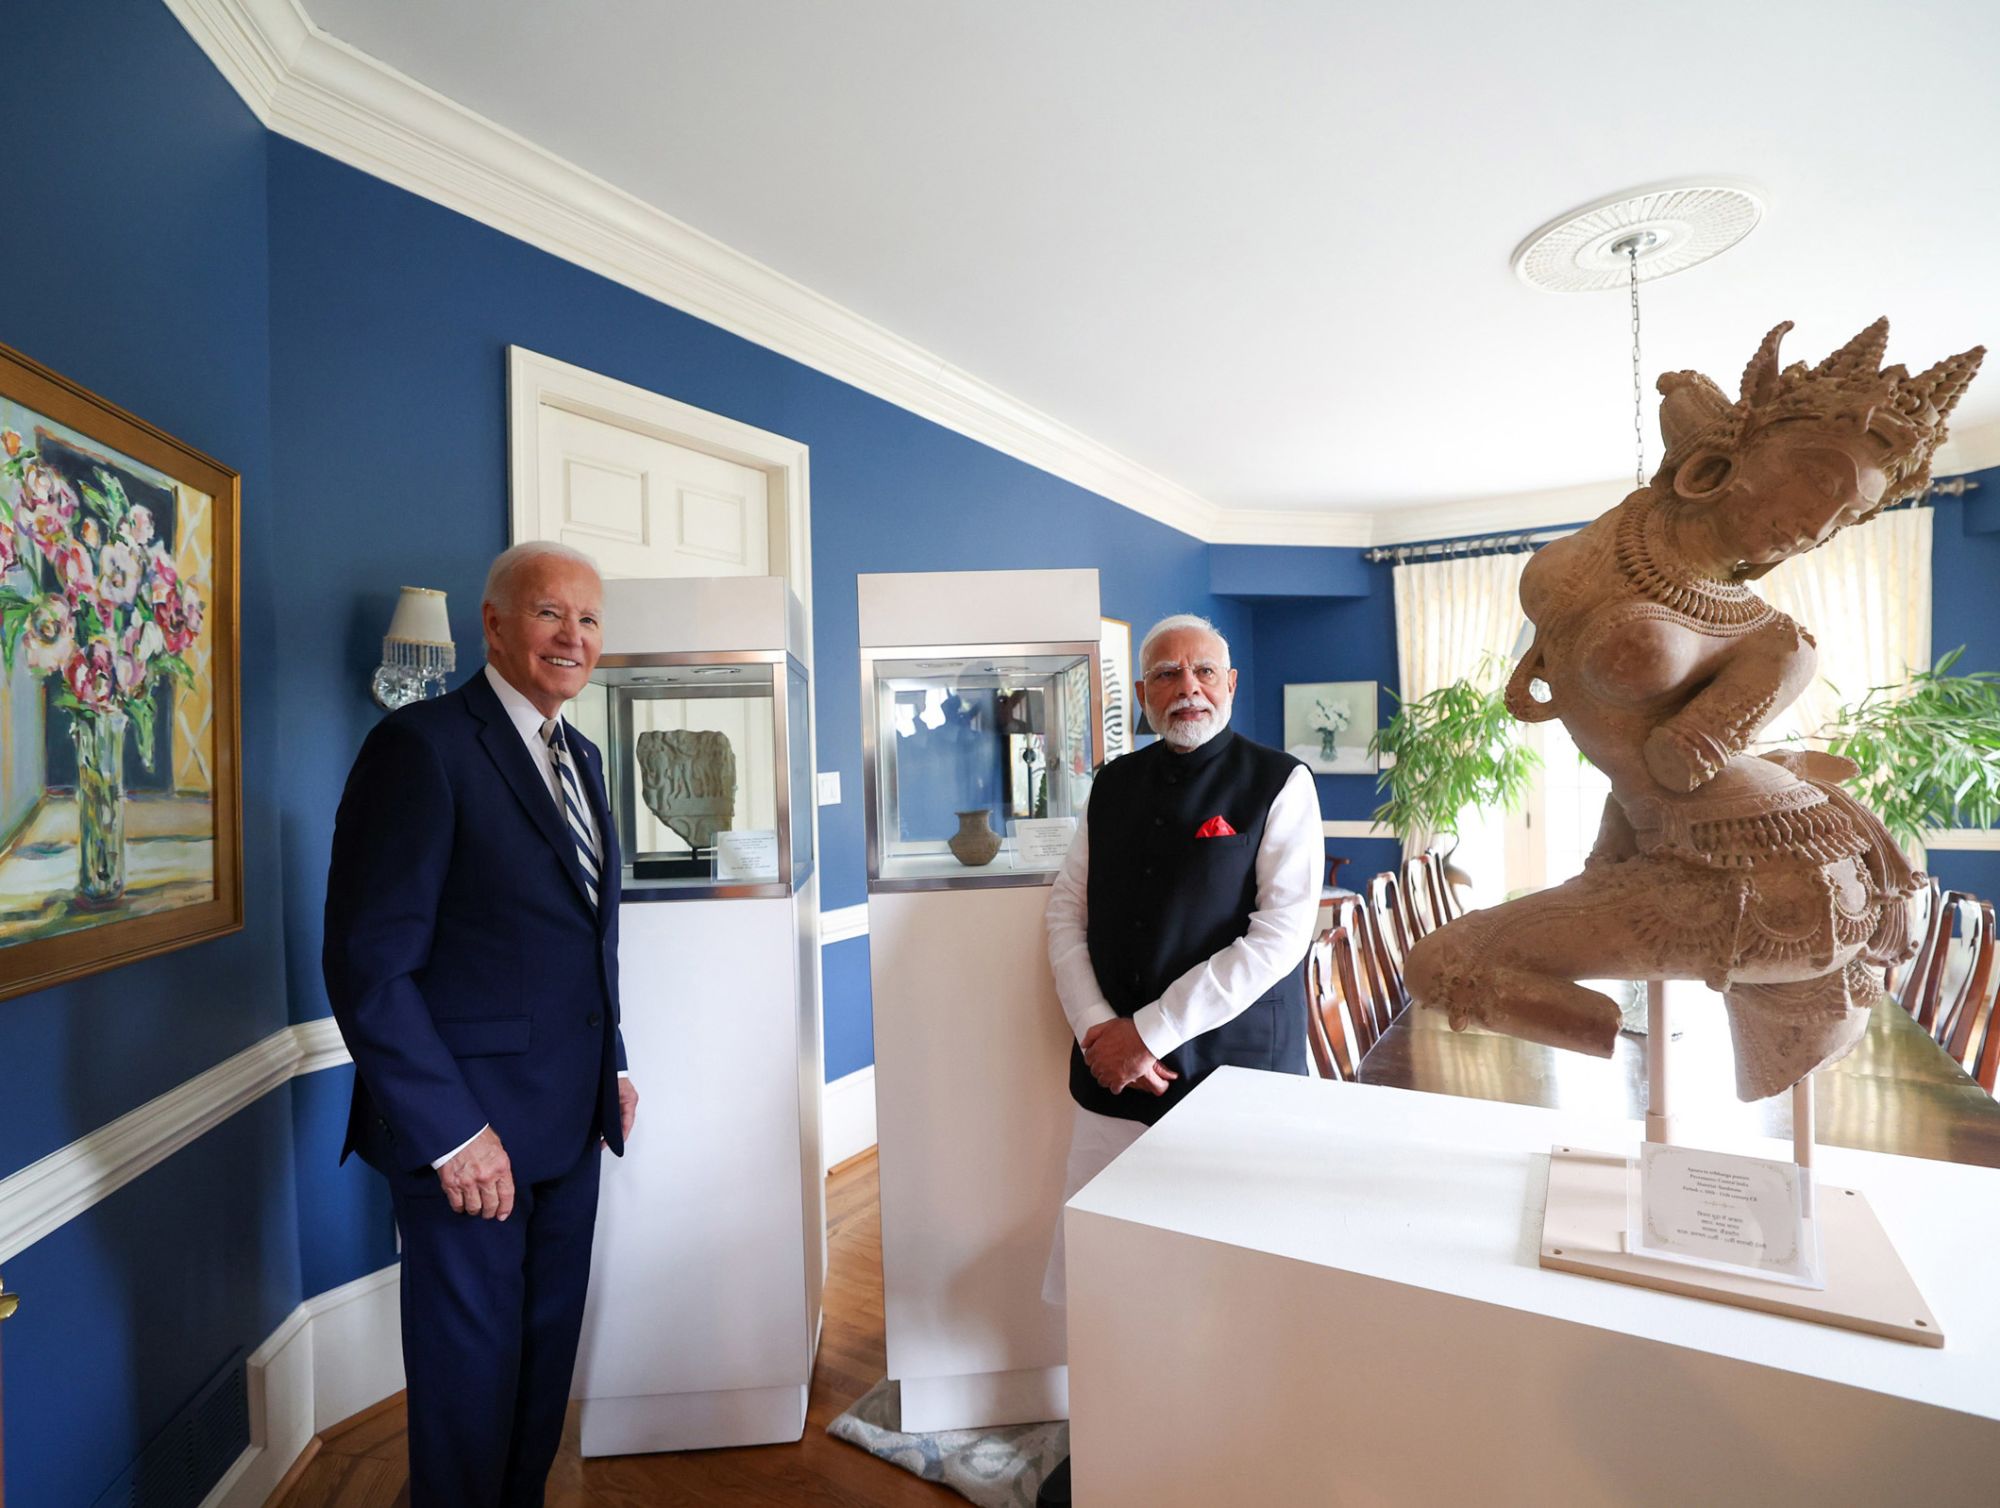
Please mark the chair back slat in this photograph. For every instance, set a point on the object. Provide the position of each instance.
(1962, 940)
(1375, 972)
(1983, 1059)
(1362, 1016)
(1970, 991)
(1419, 897)
(1449, 905)
(1915, 985)
(1428, 893)
(1391, 915)
(1326, 1030)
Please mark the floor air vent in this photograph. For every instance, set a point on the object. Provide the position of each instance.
(190, 1455)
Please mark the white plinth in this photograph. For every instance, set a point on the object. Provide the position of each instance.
(973, 1119)
(706, 1274)
(1342, 1303)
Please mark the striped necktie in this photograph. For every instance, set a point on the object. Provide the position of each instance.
(572, 803)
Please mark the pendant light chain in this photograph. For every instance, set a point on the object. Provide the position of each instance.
(1638, 421)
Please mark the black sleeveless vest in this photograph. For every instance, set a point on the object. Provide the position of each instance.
(1162, 900)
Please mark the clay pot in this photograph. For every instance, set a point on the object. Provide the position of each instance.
(975, 843)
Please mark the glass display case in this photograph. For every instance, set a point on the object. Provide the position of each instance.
(708, 767)
(978, 761)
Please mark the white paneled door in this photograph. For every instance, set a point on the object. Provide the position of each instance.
(648, 486)
(642, 506)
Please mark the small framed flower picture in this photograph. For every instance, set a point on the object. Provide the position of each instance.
(120, 796)
(1328, 724)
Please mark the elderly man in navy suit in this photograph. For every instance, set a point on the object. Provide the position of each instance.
(471, 955)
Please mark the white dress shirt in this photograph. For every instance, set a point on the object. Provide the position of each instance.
(527, 720)
(1291, 864)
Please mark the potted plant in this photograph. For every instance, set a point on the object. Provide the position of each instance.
(1929, 750)
(1452, 748)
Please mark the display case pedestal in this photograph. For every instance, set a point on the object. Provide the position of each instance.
(710, 1255)
(979, 699)
(1355, 1313)
(973, 1115)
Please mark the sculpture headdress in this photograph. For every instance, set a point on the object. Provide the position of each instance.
(1907, 413)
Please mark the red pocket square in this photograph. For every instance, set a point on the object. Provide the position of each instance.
(1215, 827)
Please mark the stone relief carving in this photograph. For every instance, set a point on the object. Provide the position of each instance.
(1760, 876)
(688, 778)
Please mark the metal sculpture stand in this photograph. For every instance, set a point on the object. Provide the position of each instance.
(1584, 1226)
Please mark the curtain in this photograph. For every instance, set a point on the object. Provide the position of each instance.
(1452, 616)
(1865, 596)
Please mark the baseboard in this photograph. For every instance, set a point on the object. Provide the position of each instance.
(847, 1116)
(692, 1421)
(983, 1400)
(336, 1354)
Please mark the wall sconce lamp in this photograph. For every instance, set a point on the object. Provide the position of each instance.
(416, 652)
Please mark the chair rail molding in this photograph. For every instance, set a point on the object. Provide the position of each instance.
(50, 1192)
(47, 1194)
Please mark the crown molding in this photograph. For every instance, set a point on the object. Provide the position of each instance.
(1282, 526)
(1498, 515)
(314, 89)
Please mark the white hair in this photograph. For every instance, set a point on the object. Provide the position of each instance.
(1168, 624)
(507, 566)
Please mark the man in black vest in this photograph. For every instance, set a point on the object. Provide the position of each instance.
(1182, 914)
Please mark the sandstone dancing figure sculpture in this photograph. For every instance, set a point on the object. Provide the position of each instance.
(688, 778)
(1757, 875)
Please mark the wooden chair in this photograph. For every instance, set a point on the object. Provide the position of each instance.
(1429, 891)
(1937, 992)
(1391, 916)
(1379, 982)
(1326, 1021)
(1366, 1014)
(1967, 997)
(1983, 1063)
(1907, 983)
(1419, 891)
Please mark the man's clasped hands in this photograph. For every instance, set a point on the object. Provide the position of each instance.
(1118, 1059)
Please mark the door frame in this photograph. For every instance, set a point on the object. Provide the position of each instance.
(535, 381)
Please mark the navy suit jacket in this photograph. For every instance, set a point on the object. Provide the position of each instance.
(472, 979)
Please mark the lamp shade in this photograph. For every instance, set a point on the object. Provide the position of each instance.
(420, 618)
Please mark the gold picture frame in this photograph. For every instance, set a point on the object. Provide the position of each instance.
(121, 831)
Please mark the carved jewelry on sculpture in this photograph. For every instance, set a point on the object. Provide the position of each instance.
(688, 778)
(1759, 875)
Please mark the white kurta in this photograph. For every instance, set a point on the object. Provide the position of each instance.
(1291, 864)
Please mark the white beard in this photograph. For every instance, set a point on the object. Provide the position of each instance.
(1197, 731)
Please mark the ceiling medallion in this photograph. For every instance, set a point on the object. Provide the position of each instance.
(1670, 226)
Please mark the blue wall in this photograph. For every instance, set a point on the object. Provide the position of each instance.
(1332, 639)
(1965, 566)
(136, 262)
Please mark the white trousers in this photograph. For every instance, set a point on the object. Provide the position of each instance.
(1094, 1144)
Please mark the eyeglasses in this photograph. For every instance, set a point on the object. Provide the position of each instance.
(1205, 673)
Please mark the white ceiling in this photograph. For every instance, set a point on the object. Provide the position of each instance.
(1261, 247)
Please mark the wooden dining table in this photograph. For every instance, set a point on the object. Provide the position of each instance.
(1897, 1091)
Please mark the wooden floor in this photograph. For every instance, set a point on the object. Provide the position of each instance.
(360, 1463)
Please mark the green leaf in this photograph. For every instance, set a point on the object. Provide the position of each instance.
(1928, 750)
(140, 710)
(1456, 747)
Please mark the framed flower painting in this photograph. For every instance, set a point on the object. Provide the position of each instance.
(1328, 724)
(120, 797)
